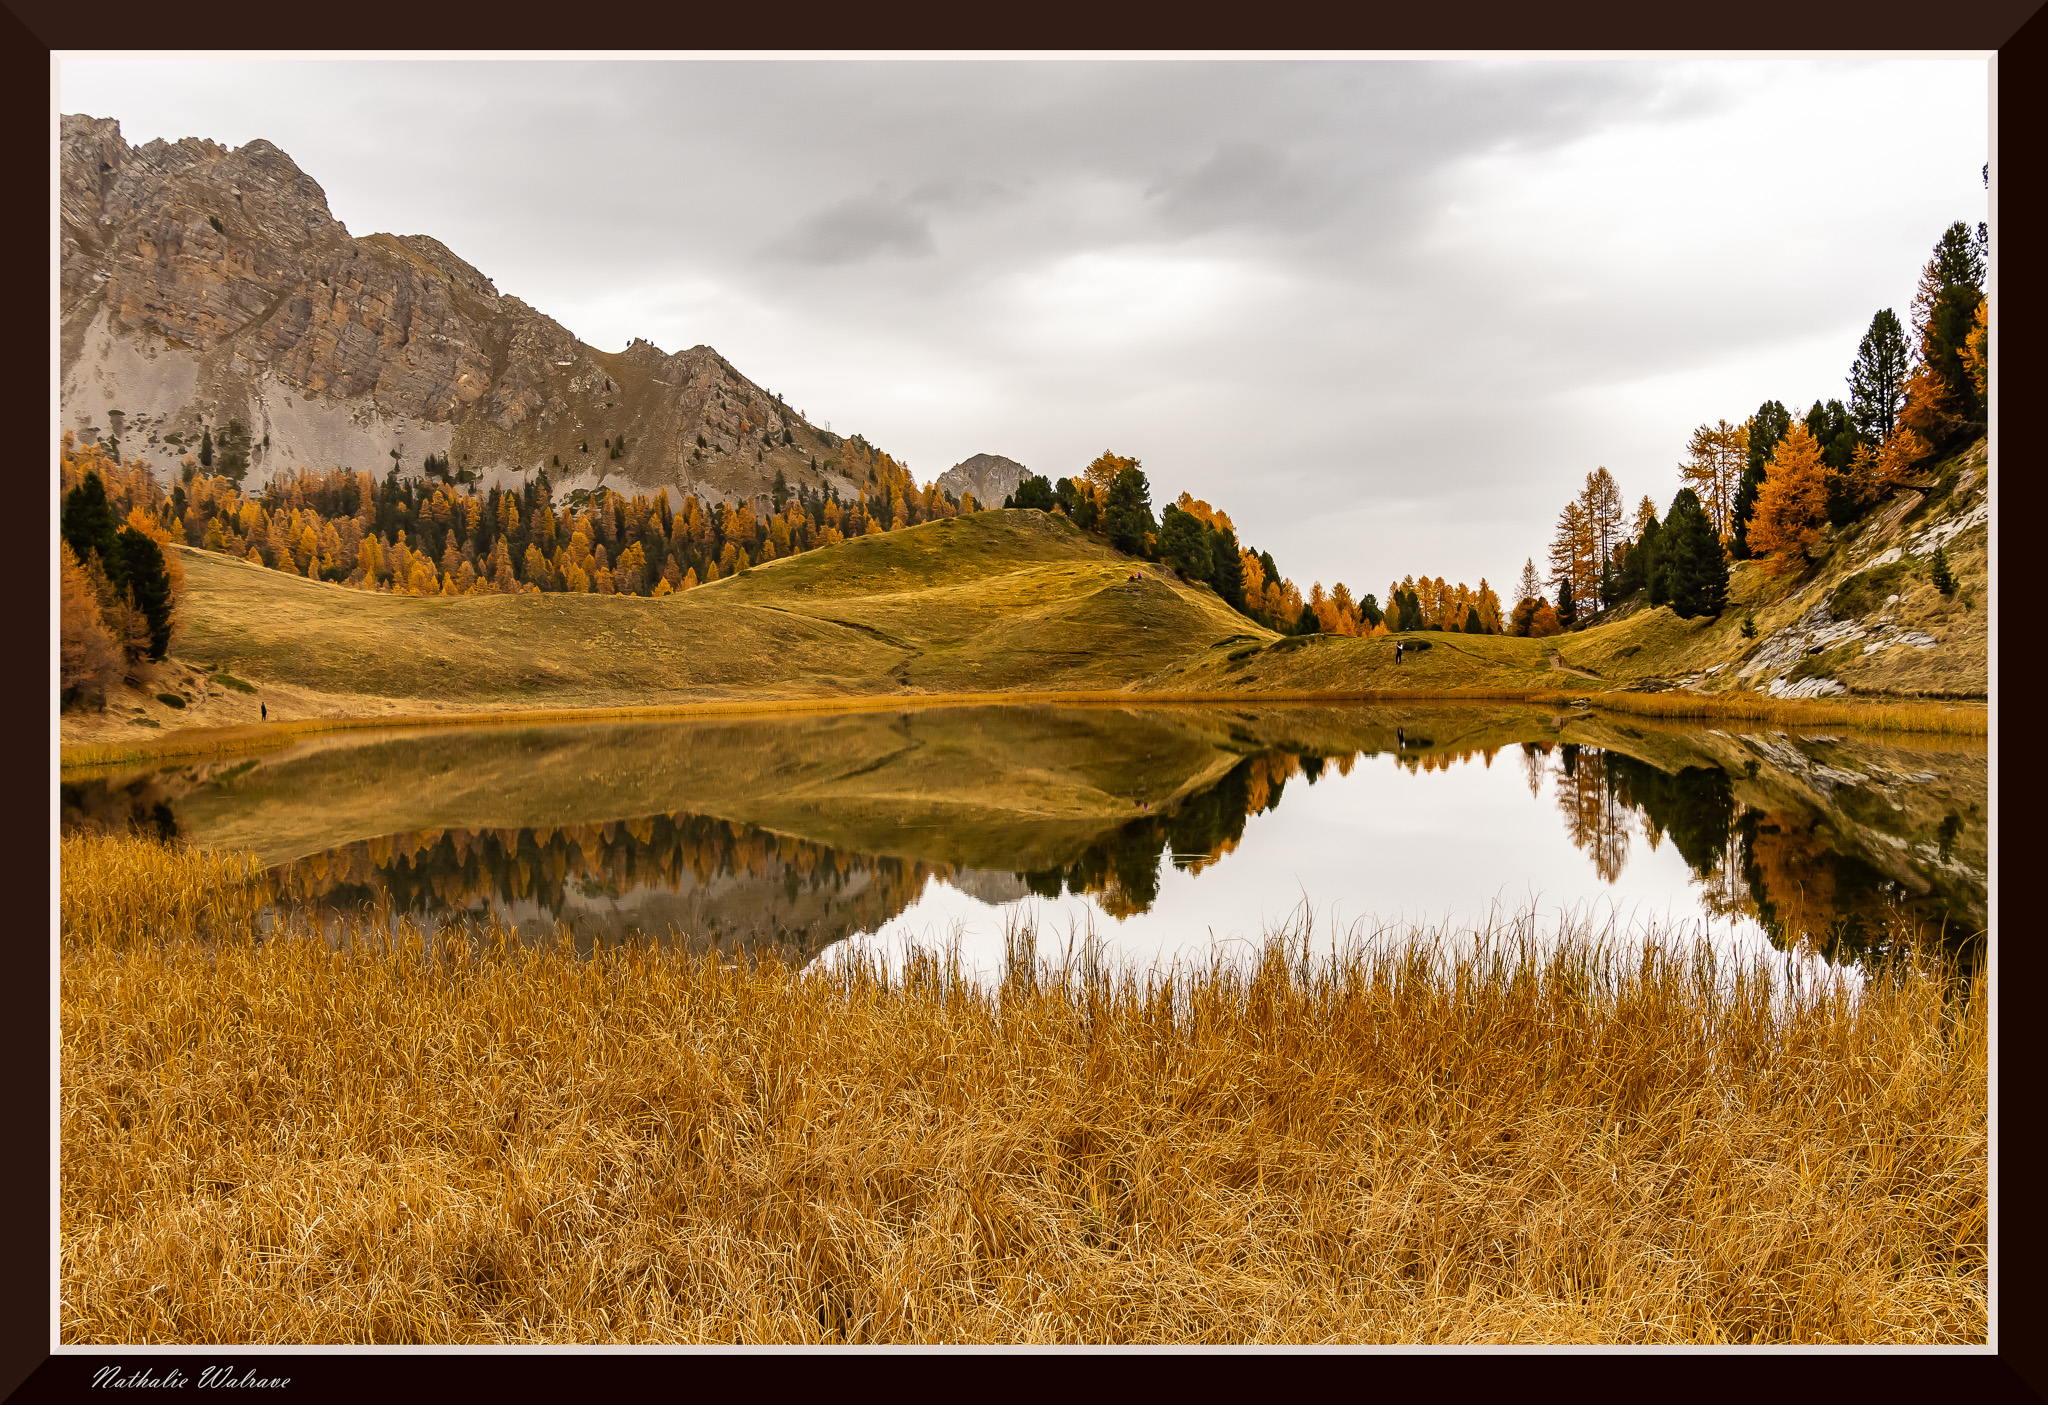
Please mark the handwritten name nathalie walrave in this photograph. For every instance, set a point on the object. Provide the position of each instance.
(210, 1378)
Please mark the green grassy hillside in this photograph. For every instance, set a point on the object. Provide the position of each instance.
(995, 603)
(1007, 601)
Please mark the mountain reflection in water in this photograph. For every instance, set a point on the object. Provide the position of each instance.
(1819, 840)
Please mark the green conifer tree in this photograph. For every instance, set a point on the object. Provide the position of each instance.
(1036, 492)
(1698, 571)
(151, 584)
(1226, 569)
(1944, 314)
(1877, 378)
(1410, 611)
(86, 522)
(1938, 572)
(1127, 514)
(1183, 544)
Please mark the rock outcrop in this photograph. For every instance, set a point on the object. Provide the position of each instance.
(990, 477)
(203, 287)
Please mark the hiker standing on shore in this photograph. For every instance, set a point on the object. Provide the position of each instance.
(1398, 646)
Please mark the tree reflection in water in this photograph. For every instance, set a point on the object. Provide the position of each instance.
(1777, 867)
(738, 886)
(742, 886)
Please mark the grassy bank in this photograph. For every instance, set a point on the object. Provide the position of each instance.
(471, 1141)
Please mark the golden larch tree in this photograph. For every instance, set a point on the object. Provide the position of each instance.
(1792, 505)
(1714, 460)
(1601, 499)
(1572, 554)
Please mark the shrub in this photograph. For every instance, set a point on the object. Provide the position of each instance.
(1938, 572)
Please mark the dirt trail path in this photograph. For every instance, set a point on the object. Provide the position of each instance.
(1557, 662)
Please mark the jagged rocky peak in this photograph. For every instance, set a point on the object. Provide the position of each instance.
(990, 477)
(202, 285)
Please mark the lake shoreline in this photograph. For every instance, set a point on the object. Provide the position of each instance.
(83, 752)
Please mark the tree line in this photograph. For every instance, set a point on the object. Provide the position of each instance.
(1770, 488)
(1112, 497)
(413, 536)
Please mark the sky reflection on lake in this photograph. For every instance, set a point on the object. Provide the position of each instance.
(1386, 846)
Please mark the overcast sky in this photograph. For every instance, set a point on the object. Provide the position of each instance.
(1387, 314)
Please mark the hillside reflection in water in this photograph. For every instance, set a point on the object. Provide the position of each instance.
(1400, 829)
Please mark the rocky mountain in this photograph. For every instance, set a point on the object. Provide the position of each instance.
(204, 288)
(990, 477)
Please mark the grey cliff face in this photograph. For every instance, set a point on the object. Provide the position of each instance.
(200, 285)
(990, 477)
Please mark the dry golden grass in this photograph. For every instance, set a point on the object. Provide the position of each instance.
(1802, 712)
(469, 1141)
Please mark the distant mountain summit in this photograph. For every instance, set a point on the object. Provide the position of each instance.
(202, 286)
(990, 477)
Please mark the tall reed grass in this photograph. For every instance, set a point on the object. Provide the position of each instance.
(118, 891)
(1798, 712)
(454, 1138)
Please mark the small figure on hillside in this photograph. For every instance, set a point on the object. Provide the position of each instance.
(1398, 647)
(266, 710)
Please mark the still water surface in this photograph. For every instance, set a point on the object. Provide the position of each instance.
(1168, 833)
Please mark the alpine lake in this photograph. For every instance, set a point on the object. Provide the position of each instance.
(1155, 836)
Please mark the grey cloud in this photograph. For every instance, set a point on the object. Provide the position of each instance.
(1241, 182)
(957, 192)
(928, 251)
(856, 230)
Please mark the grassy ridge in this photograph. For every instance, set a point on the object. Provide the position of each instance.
(477, 1142)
